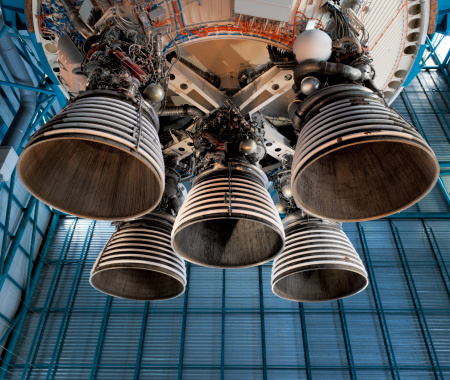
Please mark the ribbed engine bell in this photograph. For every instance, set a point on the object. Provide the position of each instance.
(228, 220)
(318, 263)
(356, 158)
(138, 262)
(99, 158)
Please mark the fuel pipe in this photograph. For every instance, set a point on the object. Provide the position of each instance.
(135, 70)
(326, 68)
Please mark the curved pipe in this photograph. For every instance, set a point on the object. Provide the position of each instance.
(77, 22)
(326, 68)
(181, 111)
(171, 189)
(20, 75)
(353, 40)
(297, 109)
(370, 84)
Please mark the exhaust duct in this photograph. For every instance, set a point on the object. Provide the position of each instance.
(99, 158)
(318, 263)
(228, 219)
(138, 262)
(356, 158)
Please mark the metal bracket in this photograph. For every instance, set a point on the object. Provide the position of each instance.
(263, 90)
(193, 88)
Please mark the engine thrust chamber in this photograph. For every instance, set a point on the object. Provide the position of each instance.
(99, 158)
(228, 220)
(318, 263)
(356, 158)
(138, 261)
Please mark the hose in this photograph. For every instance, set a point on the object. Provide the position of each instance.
(181, 111)
(326, 68)
(77, 22)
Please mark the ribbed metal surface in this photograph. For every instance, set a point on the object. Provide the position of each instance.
(384, 324)
(138, 262)
(318, 263)
(99, 158)
(357, 159)
(228, 220)
(238, 321)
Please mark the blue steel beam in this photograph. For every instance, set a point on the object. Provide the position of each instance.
(4, 317)
(70, 302)
(444, 191)
(437, 110)
(31, 128)
(16, 327)
(434, 360)
(13, 90)
(348, 345)
(183, 326)
(418, 125)
(22, 86)
(101, 337)
(222, 340)
(421, 369)
(432, 241)
(33, 241)
(305, 341)
(15, 283)
(3, 31)
(40, 328)
(7, 219)
(255, 311)
(141, 340)
(24, 52)
(419, 215)
(378, 303)
(17, 238)
(263, 323)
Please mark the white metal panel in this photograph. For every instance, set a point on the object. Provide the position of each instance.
(272, 9)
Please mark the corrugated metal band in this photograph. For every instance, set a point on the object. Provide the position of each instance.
(350, 148)
(99, 158)
(212, 206)
(139, 263)
(318, 263)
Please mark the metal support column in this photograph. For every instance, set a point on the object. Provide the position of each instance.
(222, 350)
(437, 256)
(412, 114)
(101, 337)
(379, 305)
(430, 96)
(305, 341)
(183, 326)
(17, 238)
(7, 219)
(417, 304)
(69, 305)
(263, 323)
(35, 344)
(137, 369)
(348, 345)
(16, 327)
